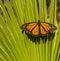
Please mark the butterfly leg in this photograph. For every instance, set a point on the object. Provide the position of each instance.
(22, 31)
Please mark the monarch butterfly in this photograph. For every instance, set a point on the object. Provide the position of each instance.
(38, 28)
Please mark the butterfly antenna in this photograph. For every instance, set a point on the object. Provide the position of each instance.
(40, 18)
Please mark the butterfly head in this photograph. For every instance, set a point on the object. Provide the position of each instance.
(38, 21)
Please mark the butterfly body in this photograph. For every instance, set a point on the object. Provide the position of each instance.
(38, 28)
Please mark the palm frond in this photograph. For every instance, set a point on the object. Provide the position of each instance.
(15, 46)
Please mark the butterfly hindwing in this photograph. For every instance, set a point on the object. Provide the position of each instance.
(42, 31)
(35, 31)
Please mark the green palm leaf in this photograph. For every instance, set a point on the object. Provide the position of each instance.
(15, 46)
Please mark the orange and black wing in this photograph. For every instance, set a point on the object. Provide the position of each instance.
(38, 28)
(46, 27)
(31, 27)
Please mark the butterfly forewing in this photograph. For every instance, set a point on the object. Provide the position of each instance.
(28, 26)
(45, 26)
(48, 26)
(31, 26)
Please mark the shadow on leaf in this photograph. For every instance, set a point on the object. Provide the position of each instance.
(37, 39)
